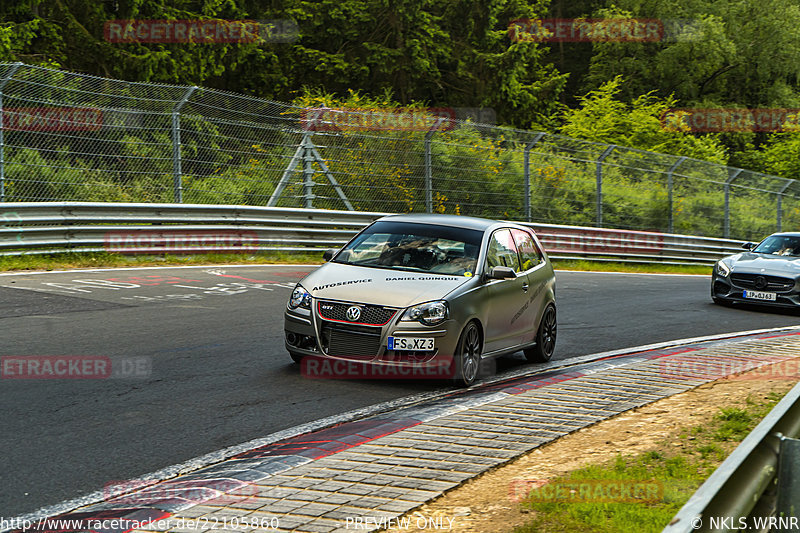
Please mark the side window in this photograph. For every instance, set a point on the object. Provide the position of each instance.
(529, 253)
(502, 251)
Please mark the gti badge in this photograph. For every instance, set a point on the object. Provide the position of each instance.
(353, 313)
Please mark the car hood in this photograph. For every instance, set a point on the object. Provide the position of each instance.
(378, 286)
(766, 264)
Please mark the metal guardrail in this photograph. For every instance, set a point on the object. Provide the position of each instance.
(758, 481)
(56, 227)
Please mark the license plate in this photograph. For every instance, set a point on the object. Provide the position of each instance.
(411, 344)
(760, 295)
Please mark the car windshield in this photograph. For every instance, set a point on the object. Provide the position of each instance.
(415, 247)
(788, 245)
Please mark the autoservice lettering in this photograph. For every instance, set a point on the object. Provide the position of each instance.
(341, 283)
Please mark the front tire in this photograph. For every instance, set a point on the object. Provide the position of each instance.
(467, 360)
(545, 337)
(296, 357)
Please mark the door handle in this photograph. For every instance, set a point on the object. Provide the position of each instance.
(524, 287)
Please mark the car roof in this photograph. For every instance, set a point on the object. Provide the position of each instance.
(457, 221)
(786, 234)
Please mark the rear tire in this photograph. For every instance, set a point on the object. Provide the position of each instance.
(545, 337)
(467, 360)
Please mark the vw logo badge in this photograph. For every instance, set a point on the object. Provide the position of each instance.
(353, 313)
(760, 282)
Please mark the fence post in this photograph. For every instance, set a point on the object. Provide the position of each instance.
(428, 169)
(599, 179)
(3, 82)
(527, 159)
(176, 146)
(308, 172)
(726, 231)
(779, 209)
(669, 192)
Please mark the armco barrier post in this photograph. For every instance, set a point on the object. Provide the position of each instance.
(669, 192)
(789, 478)
(527, 159)
(599, 178)
(176, 146)
(10, 74)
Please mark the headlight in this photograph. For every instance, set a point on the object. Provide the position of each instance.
(429, 313)
(723, 269)
(300, 298)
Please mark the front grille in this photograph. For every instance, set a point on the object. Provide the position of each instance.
(351, 342)
(370, 314)
(773, 283)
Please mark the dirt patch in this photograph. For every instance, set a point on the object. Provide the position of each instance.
(488, 503)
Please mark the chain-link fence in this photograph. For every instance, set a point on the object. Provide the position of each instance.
(72, 137)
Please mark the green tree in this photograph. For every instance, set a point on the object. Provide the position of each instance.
(440, 52)
(720, 52)
(603, 116)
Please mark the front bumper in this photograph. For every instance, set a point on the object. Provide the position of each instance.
(729, 289)
(309, 334)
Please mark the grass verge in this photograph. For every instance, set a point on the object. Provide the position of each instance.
(596, 266)
(679, 468)
(111, 260)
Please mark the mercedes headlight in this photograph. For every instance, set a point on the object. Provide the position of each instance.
(300, 298)
(723, 269)
(429, 313)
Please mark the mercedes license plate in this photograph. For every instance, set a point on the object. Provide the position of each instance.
(760, 295)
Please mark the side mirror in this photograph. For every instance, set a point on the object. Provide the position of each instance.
(749, 245)
(501, 272)
(329, 253)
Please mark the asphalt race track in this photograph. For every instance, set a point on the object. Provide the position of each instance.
(204, 365)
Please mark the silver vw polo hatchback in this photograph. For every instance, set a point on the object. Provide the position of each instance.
(417, 290)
